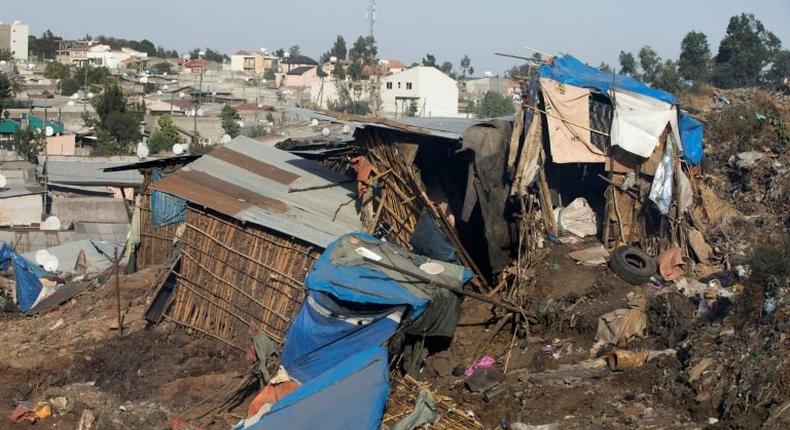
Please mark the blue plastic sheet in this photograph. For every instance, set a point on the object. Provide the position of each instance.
(691, 132)
(569, 70)
(26, 274)
(166, 208)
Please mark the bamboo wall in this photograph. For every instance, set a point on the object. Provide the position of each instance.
(232, 277)
(156, 243)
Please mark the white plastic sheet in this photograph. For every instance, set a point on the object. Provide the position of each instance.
(639, 121)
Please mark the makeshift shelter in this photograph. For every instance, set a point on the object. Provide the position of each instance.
(336, 347)
(621, 145)
(26, 276)
(153, 241)
(256, 220)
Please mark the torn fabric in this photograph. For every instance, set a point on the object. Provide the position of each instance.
(639, 122)
(569, 123)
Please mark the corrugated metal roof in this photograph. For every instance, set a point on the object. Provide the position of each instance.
(256, 182)
(20, 191)
(98, 255)
(89, 170)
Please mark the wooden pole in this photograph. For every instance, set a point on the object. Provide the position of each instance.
(118, 293)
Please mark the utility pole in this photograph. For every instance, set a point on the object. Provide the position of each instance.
(197, 103)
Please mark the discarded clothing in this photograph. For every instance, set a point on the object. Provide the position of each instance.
(691, 136)
(639, 122)
(424, 413)
(362, 166)
(620, 326)
(264, 348)
(483, 363)
(429, 240)
(569, 123)
(671, 264)
(578, 218)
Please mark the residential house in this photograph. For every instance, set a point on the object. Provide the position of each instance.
(295, 62)
(431, 91)
(476, 89)
(14, 37)
(75, 52)
(251, 63)
(18, 173)
(9, 126)
(395, 66)
(302, 76)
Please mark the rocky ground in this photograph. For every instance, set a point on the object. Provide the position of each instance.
(730, 369)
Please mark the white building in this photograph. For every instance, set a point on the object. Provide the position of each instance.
(14, 37)
(434, 93)
(103, 55)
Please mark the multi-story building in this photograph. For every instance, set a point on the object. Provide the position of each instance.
(14, 37)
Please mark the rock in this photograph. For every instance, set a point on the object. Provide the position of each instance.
(57, 324)
(60, 405)
(87, 421)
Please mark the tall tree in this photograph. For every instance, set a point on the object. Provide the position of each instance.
(447, 68)
(694, 61)
(338, 50)
(57, 70)
(494, 105)
(109, 101)
(668, 77)
(779, 70)
(27, 143)
(294, 50)
(650, 63)
(605, 67)
(363, 53)
(627, 64)
(6, 55)
(165, 136)
(746, 50)
(466, 66)
(429, 61)
(230, 120)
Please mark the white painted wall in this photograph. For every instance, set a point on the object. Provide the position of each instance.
(21, 210)
(436, 93)
(14, 37)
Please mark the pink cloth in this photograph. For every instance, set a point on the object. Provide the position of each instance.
(483, 363)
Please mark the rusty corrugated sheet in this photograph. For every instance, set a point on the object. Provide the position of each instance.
(252, 182)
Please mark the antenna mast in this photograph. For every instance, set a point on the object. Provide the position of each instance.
(372, 15)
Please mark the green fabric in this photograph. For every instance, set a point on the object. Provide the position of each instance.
(9, 126)
(424, 413)
(264, 348)
(36, 122)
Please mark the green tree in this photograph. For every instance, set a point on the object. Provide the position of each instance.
(28, 143)
(294, 50)
(165, 136)
(779, 70)
(413, 108)
(6, 55)
(107, 145)
(45, 47)
(605, 67)
(268, 74)
(363, 53)
(694, 61)
(429, 61)
(6, 90)
(230, 120)
(123, 126)
(447, 69)
(57, 70)
(746, 50)
(338, 50)
(494, 105)
(627, 64)
(466, 66)
(163, 67)
(669, 78)
(650, 63)
(148, 47)
(210, 55)
(109, 101)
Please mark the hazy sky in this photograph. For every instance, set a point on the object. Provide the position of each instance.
(594, 31)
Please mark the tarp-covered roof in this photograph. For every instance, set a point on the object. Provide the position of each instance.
(258, 183)
(569, 70)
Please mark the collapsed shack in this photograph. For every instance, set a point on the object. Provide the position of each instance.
(155, 244)
(255, 219)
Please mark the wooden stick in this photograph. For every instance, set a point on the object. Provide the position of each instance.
(118, 292)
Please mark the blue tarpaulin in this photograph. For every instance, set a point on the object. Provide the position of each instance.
(166, 208)
(336, 346)
(26, 274)
(569, 70)
(691, 137)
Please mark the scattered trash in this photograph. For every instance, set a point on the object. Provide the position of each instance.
(744, 160)
(483, 363)
(632, 265)
(483, 379)
(592, 256)
(25, 412)
(622, 325)
(59, 323)
(577, 218)
(769, 305)
(671, 264)
(424, 413)
(87, 420)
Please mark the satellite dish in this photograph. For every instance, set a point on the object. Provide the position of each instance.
(178, 149)
(287, 55)
(202, 53)
(52, 223)
(314, 122)
(41, 256)
(165, 87)
(263, 81)
(325, 131)
(75, 96)
(3, 63)
(226, 138)
(159, 93)
(263, 50)
(144, 80)
(142, 150)
(49, 131)
(200, 112)
(260, 105)
(241, 124)
(164, 74)
(90, 95)
(51, 263)
(31, 66)
(181, 95)
(346, 129)
(3, 181)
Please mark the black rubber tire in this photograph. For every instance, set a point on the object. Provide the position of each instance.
(632, 265)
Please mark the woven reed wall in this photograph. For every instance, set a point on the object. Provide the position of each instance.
(156, 243)
(233, 276)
